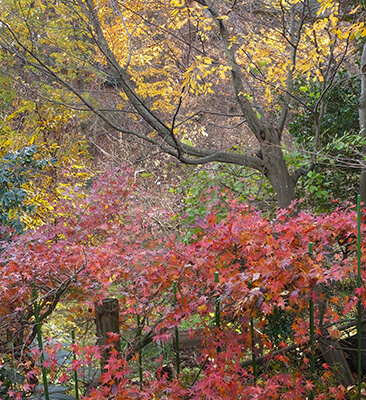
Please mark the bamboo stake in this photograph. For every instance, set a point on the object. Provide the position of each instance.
(140, 349)
(75, 372)
(217, 308)
(254, 361)
(312, 329)
(40, 343)
(177, 357)
(359, 304)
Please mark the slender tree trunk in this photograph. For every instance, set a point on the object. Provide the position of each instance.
(362, 118)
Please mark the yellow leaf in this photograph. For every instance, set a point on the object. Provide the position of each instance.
(268, 94)
(354, 10)
(177, 3)
(333, 19)
(202, 308)
(319, 75)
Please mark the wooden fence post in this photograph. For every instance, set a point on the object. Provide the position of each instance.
(107, 320)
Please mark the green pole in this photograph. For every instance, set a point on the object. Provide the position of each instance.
(312, 329)
(40, 344)
(359, 304)
(140, 349)
(217, 308)
(75, 372)
(253, 348)
(177, 357)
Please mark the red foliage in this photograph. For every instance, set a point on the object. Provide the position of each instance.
(102, 242)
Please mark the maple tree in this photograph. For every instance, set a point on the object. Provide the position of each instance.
(101, 244)
(188, 85)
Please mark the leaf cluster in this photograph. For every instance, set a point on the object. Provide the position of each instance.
(339, 151)
(212, 189)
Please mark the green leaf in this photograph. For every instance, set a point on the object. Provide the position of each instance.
(187, 142)
(339, 145)
(312, 189)
(322, 194)
(169, 165)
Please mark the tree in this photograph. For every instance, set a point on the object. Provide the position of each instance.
(184, 76)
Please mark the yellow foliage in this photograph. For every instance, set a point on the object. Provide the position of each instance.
(174, 52)
(55, 131)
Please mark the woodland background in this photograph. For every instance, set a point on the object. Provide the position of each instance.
(180, 156)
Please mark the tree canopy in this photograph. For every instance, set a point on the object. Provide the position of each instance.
(192, 79)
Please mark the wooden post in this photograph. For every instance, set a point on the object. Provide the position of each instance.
(107, 320)
(189, 341)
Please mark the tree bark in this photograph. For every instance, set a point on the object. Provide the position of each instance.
(276, 170)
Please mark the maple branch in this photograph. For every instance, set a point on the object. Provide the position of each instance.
(141, 343)
(25, 320)
(331, 80)
(4, 120)
(268, 356)
(57, 296)
(302, 172)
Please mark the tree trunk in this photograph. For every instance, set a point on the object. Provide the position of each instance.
(276, 169)
(362, 118)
